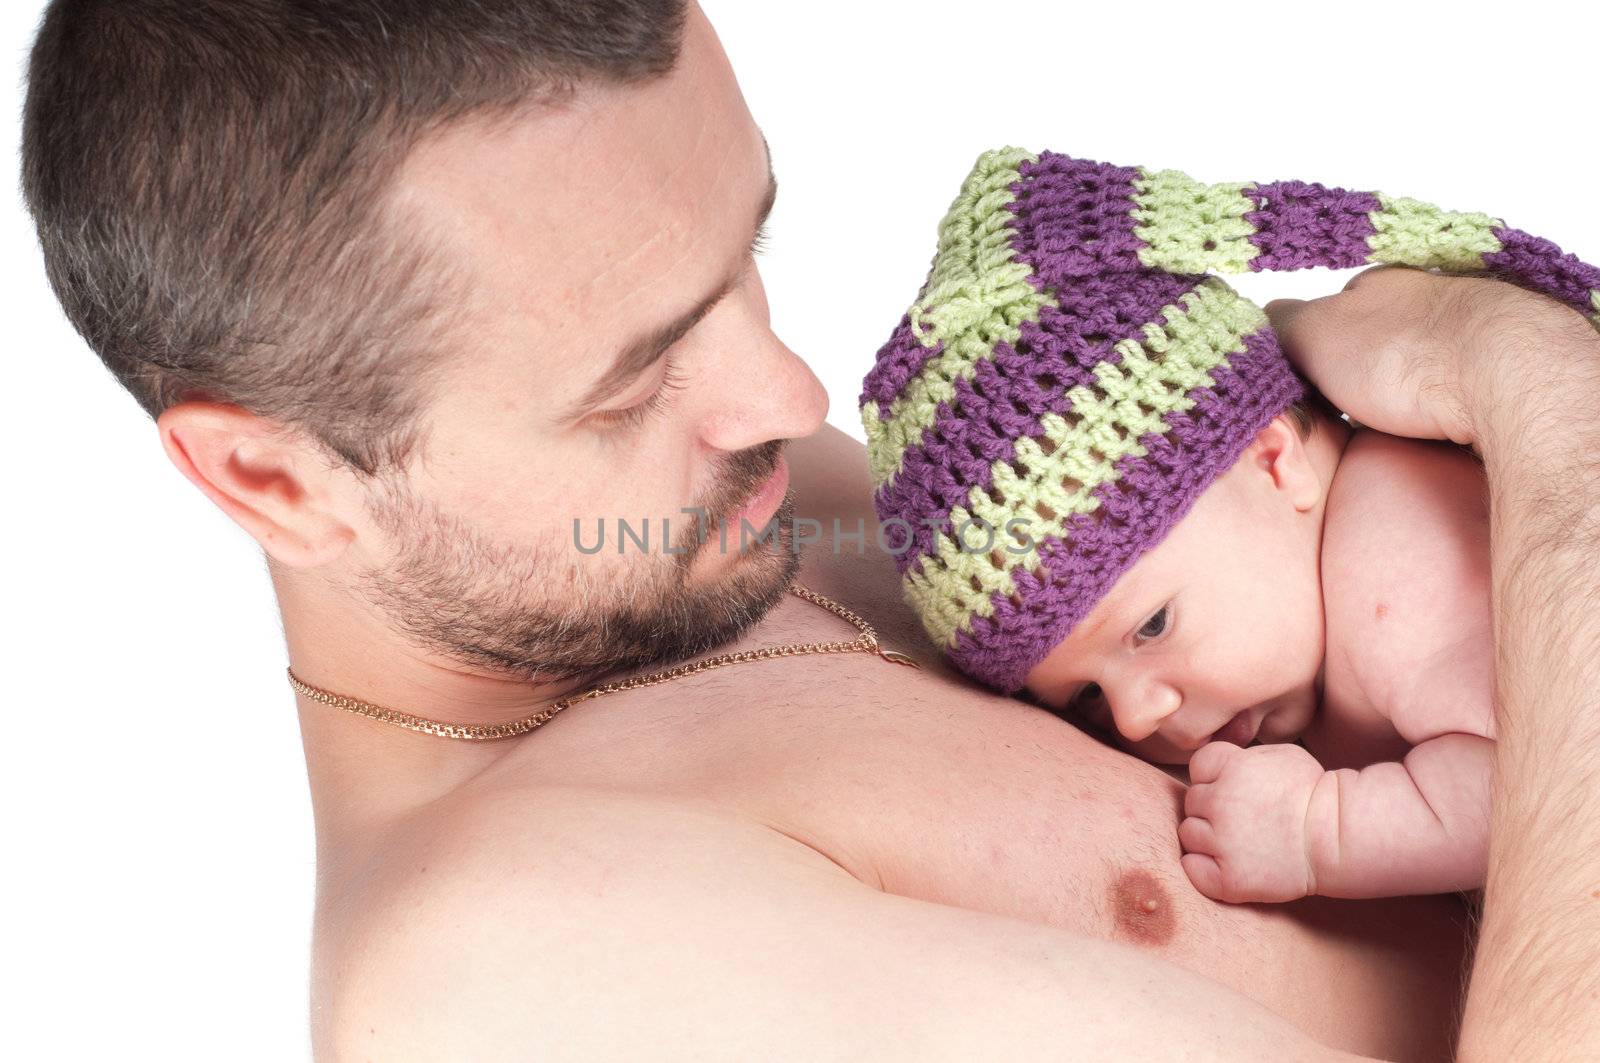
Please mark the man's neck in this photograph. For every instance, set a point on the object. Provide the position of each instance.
(364, 771)
(366, 774)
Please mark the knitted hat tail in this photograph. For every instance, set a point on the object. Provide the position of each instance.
(1189, 227)
(1071, 378)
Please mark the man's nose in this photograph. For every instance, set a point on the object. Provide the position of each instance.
(774, 396)
(1139, 706)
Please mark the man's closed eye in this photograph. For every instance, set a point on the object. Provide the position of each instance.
(657, 402)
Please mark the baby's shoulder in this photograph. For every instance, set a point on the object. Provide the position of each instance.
(1385, 464)
(1397, 496)
(1405, 562)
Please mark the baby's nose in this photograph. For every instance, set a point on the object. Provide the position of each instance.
(1141, 708)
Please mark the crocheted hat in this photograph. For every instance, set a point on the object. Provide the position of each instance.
(1069, 365)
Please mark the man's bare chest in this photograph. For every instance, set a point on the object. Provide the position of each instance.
(940, 792)
(966, 798)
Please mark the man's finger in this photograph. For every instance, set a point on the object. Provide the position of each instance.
(1366, 275)
(1281, 312)
(1315, 336)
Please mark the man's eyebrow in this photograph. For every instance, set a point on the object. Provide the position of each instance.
(640, 354)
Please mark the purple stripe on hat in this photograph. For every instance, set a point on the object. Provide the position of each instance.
(1074, 574)
(1299, 225)
(897, 362)
(1536, 263)
(1075, 219)
(1009, 394)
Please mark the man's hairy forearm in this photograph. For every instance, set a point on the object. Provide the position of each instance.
(1535, 990)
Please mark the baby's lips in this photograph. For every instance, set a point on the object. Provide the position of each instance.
(1241, 730)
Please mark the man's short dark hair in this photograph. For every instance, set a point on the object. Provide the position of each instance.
(209, 179)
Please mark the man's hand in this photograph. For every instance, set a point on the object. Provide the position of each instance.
(1244, 835)
(1413, 353)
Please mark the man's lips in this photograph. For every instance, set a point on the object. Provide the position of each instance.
(764, 503)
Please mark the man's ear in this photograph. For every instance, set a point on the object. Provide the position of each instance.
(1279, 452)
(273, 482)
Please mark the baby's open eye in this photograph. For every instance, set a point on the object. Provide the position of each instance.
(1154, 627)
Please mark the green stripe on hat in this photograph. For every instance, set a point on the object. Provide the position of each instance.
(977, 296)
(1409, 232)
(1192, 227)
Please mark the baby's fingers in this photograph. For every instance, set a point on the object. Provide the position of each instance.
(1206, 765)
(1205, 873)
(1199, 800)
(1197, 836)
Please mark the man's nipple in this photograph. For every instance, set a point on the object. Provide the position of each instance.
(1141, 909)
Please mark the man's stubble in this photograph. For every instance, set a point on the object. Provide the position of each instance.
(546, 612)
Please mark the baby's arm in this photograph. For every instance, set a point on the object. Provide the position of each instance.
(1417, 826)
(1269, 824)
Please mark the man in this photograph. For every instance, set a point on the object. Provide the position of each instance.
(422, 295)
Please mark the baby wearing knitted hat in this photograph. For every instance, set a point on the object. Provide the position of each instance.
(1105, 485)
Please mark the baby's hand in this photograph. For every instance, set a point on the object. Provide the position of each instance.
(1244, 835)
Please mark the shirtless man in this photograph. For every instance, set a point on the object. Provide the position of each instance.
(813, 856)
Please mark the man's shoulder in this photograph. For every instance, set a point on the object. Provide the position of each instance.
(487, 920)
(528, 856)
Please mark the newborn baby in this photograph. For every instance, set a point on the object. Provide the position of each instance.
(1331, 588)
(1111, 489)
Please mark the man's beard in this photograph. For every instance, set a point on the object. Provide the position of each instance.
(548, 613)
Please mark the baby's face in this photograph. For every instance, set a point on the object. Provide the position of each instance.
(1217, 633)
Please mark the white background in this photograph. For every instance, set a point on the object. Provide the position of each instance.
(158, 842)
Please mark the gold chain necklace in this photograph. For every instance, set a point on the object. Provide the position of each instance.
(867, 642)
